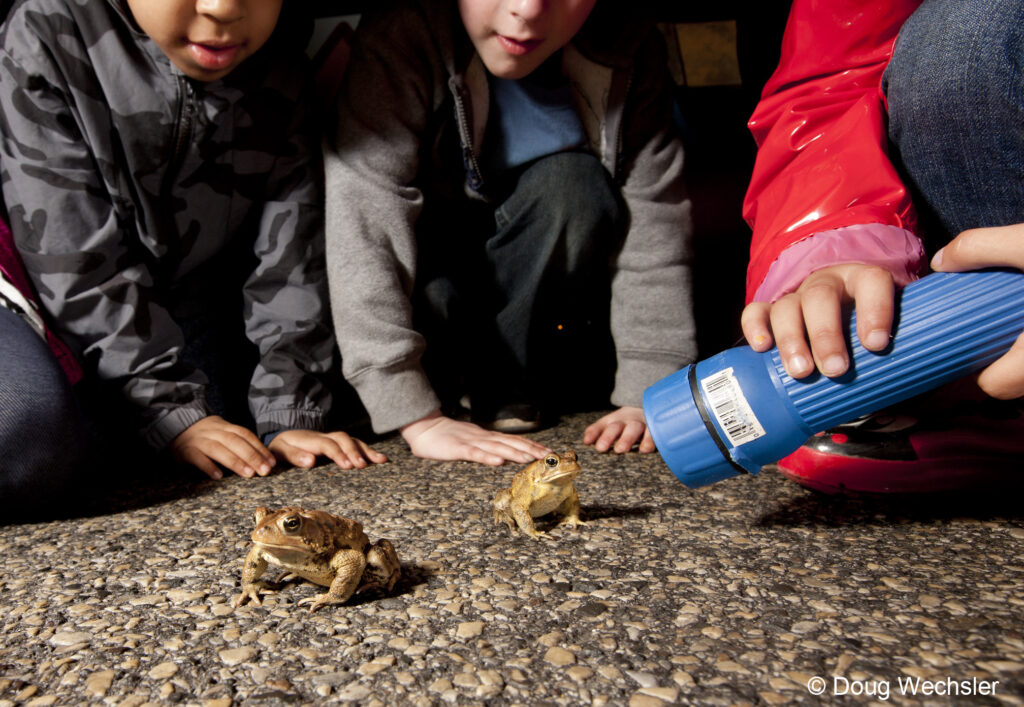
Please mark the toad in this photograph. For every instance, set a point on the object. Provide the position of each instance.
(545, 486)
(324, 548)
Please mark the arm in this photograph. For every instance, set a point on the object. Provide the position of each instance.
(372, 204)
(820, 126)
(832, 221)
(64, 184)
(285, 296)
(92, 277)
(392, 90)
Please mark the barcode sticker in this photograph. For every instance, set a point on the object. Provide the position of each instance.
(730, 407)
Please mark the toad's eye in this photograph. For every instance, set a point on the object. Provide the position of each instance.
(551, 460)
(291, 523)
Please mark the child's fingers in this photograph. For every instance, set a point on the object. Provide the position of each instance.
(295, 455)
(347, 451)
(370, 453)
(223, 455)
(498, 448)
(253, 450)
(343, 451)
(612, 430)
(504, 446)
(1004, 378)
(475, 452)
(241, 454)
(788, 328)
(755, 325)
(823, 317)
(631, 433)
(873, 293)
(199, 460)
(647, 445)
(516, 448)
(997, 246)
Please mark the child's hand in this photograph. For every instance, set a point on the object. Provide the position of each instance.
(439, 437)
(213, 440)
(623, 429)
(982, 248)
(814, 313)
(302, 447)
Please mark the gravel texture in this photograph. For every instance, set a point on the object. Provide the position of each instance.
(738, 593)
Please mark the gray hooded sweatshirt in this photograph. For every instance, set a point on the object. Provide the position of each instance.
(413, 110)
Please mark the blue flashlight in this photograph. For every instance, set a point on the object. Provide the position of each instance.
(738, 410)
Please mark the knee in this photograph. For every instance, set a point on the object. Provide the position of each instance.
(953, 56)
(42, 434)
(573, 195)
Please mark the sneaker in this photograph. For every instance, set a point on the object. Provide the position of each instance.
(936, 443)
(511, 418)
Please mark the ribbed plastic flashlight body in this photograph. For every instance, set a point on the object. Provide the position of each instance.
(949, 325)
(745, 408)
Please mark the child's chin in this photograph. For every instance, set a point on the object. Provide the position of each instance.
(511, 69)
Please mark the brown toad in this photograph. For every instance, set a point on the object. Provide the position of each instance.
(324, 548)
(541, 488)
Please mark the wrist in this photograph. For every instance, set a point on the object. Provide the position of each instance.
(415, 429)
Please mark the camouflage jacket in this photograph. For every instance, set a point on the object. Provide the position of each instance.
(126, 183)
(16, 295)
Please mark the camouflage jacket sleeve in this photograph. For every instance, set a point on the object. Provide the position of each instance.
(286, 310)
(76, 200)
(94, 282)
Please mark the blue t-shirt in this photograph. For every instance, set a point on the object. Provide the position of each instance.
(531, 117)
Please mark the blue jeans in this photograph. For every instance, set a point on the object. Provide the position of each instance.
(43, 439)
(956, 113)
(513, 294)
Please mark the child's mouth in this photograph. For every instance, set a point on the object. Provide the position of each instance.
(518, 47)
(214, 57)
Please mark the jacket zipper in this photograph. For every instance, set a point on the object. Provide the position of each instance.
(460, 112)
(182, 131)
(182, 136)
(617, 152)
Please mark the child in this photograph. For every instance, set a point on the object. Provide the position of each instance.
(158, 159)
(504, 178)
(888, 127)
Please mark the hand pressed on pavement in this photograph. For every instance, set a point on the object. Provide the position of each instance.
(302, 447)
(214, 441)
(619, 431)
(438, 437)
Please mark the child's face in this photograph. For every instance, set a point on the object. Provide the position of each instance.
(207, 39)
(514, 37)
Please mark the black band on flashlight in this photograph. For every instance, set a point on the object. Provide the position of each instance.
(691, 377)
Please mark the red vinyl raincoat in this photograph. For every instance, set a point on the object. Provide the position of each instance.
(823, 189)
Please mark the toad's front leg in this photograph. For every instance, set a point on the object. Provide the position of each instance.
(348, 566)
(253, 567)
(521, 512)
(570, 509)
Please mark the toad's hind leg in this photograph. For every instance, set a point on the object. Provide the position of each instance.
(348, 566)
(502, 512)
(382, 567)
